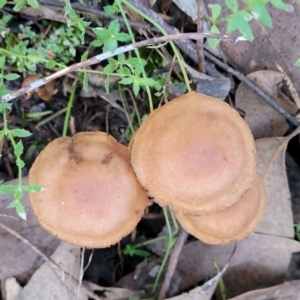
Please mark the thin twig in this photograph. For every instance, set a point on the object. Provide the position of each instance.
(52, 263)
(172, 263)
(100, 57)
(256, 89)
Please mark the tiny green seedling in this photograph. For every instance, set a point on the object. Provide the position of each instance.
(131, 250)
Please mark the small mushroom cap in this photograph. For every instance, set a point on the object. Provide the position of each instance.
(232, 223)
(195, 153)
(90, 194)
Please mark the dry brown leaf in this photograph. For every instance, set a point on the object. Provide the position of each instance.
(16, 257)
(112, 293)
(278, 217)
(45, 92)
(260, 261)
(48, 283)
(263, 120)
(288, 290)
(277, 45)
(10, 289)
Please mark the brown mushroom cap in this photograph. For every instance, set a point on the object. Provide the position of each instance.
(195, 153)
(90, 196)
(233, 223)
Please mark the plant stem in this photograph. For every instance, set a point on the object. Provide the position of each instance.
(136, 51)
(161, 29)
(69, 107)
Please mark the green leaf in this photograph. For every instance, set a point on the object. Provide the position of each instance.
(20, 163)
(85, 83)
(2, 3)
(51, 64)
(5, 106)
(114, 27)
(97, 43)
(214, 43)
(136, 88)
(147, 81)
(20, 209)
(33, 188)
(2, 61)
(260, 12)
(109, 10)
(141, 253)
(18, 194)
(19, 149)
(232, 5)
(126, 80)
(110, 68)
(246, 31)
(11, 76)
(8, 188)
(19, 132)
(215, 11)
(266, 19)
(19, 5)
(3, 90)
(278, 4)
(12, 204)
(123, 37)
(84, 56)
(297, 63)
(110, 45)
(33, 3)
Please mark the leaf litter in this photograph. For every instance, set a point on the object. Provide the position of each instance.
(261, 260)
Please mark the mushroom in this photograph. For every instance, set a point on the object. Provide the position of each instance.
(233, 223)
(195, 153)
(90, 196)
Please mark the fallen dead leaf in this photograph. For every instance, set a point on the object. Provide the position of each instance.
(48, 283)
(288, 290)
(260, 261)
(16, 257)
(263, 120)
(112, 293)
(10, 289)
(204, 292)
(274, 46)
(278, 217)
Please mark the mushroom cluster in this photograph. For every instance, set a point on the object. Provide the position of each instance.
(90, 197)
(198, 155)
(195, 154)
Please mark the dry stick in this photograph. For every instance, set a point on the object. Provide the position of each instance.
(98, 58)
(52, 263)
(249, 83)
(88, 10)
(172, 263)
(189, 48)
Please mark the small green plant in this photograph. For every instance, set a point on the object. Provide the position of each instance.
(20, 3)
(297, 231)
(239, 19)
(16, 190)
(132, 250)
(297, 63)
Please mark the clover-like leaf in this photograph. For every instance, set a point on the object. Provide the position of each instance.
(19, 132)
(232, 5)
(7, 188)
(33, 188)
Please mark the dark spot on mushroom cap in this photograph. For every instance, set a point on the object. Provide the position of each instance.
(73, 154)
(107, 158)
